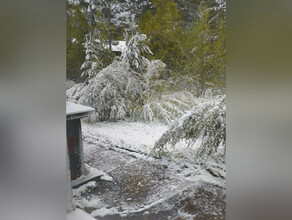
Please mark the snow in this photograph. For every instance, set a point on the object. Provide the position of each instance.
(183, 171)
(106, 178)
(121, 45)
(91, 172)
(82, 201)
(136, 136)
(78, 214)
(104, 211)
(141, 137)
(84, 188)
(72, 108)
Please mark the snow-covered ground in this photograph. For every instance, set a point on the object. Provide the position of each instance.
(136, 136)
(140, 184)
(141, 137)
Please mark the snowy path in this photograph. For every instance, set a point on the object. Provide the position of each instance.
(146, 188)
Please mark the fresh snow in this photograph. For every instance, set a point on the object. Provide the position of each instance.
(185, 171)
(136, 136)
(82, 201)
(141, 137)
(117, 46)
(104, 211)
(72, 108)
(79, 214)
(90, 173)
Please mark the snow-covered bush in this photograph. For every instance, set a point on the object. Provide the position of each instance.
(154, 70)
(76, 92)
(206, 123)
(159, 103)
(113, 92)
(117, 89)
(117, 92)
(163, 108)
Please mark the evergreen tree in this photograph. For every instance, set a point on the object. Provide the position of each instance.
(92, 44)
(91, 64)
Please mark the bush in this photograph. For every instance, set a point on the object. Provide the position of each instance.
(164, 108)
(117, 93)
(160, 103)
(113, 92)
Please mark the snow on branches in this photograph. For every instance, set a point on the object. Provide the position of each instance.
(132, 54)
(113, 92)
(91, 64)
(206, 124)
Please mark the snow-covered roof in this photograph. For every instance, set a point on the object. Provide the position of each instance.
(119, 47)
(73, 109)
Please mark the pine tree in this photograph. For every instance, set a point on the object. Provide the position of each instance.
(91, 64)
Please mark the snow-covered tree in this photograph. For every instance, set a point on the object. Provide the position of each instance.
(206, 124)
(134, 7)
(117, 89)
(92, 43)
(91, 64)
(132, 54)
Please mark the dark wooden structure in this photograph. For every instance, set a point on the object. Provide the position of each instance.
(74, 113)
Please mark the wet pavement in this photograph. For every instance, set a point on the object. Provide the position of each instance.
(143, 188)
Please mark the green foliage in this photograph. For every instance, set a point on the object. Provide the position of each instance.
(208, 50)
(196, 52)
(76, 29)
(162, 26)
